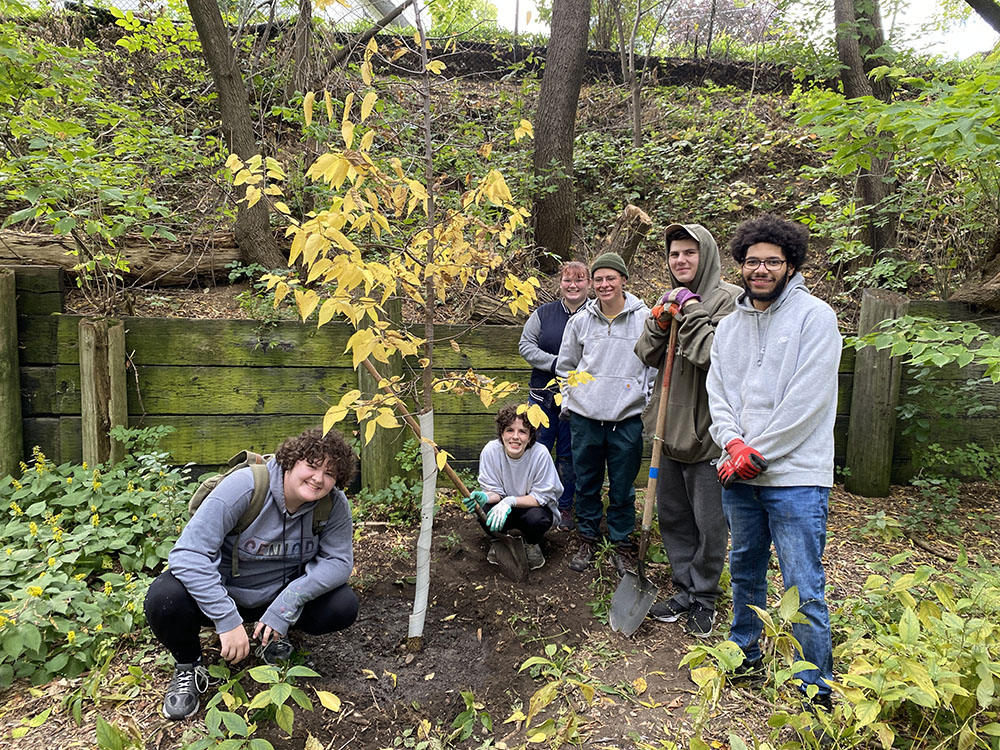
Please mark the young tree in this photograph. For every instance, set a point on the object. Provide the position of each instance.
(555, 122)
(253, 231)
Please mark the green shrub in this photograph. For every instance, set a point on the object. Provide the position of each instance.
(81, 545)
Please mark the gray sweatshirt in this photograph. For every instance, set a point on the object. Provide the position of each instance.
(273, 551)
(773, 383)
(532, 474)
(606, 350)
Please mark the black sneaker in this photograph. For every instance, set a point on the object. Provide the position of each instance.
(700, 621)
(669, 611)
(535, 557)
(821, 707)
(183, 693)
(749, 674)
(278, 649)
(583, 556)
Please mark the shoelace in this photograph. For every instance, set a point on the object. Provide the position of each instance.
(183, 681)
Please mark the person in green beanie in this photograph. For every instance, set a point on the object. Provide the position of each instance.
(605, 413)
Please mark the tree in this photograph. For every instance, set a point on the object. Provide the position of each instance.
(988, 10)
(253, 232)
(627, 48)
(555, 122)
(859, 45)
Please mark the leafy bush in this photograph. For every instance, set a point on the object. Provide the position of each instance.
(81, 544)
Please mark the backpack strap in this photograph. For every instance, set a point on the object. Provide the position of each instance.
(261, 484)
(321, 513)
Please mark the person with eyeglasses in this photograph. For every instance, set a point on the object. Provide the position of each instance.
(688, 497)
(772, 393)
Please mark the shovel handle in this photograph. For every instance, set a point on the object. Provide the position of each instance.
(661, 422)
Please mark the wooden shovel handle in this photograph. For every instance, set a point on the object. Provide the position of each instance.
(661, 422)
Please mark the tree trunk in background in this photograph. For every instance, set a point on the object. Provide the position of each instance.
(859, 36)
(988, 10)
(301, 45)
(252, 230)
(555, 120)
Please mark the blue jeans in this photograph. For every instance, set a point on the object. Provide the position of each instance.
(558, 434)
(794, 518)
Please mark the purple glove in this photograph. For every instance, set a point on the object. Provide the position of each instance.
(679, 297)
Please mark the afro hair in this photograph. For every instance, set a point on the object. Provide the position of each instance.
(792, 238)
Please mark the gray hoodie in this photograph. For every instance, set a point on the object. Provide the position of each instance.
(273, 550)
(605, 349)
(773, 383)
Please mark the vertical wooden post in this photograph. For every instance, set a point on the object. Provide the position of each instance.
(11, 432)
(378, 458)
(872, 428)
(103, 397)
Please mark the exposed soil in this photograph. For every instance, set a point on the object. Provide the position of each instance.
(480, 628)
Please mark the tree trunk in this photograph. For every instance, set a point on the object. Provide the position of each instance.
(301, 45)
(253, 231)
(859, 36)
(555, 120)
(988, 10)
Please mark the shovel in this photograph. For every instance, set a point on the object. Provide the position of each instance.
(511, 557)
(636, 593)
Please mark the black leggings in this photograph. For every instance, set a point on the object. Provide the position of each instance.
(531, 522)
(175, 619)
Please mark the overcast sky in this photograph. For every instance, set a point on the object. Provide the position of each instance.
(974, 36)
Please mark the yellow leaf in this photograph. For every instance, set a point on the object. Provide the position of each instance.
(233, 163)
(369, 675)
(312, 743)
(328, 699)
(306, 302)
(435, 67)
(348, 103)
(370, 430)
(516, 716)
(537, 416)
(639, 685)
(253, 195)
(455, 346)
(442, 458)
(372, 47)
(326, 312)
(481, 275)
(328, 101)
(307, 107)
(366, 140)
(527, 18)
(282, 207)
(333, 415)
(485, 150)
(429, 676)
(367, 103)
(347, 132)
(449, 618)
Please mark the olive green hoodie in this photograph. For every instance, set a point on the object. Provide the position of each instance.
(686, 437)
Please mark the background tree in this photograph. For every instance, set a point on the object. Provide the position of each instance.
(252, 229)
(555, 124)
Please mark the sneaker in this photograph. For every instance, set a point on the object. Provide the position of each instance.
(278, 649)
(491, 556)
(669, 611)
(535, 557)
(700, 621)
(583, 556)
(566, 520)
(749, 674)
(183, 693)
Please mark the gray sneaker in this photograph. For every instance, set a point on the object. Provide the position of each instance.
(278, 649)
(535, 557)
(581, 560)
(669, 611)
(183, 698)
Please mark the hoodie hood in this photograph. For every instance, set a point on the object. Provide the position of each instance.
(709, 270)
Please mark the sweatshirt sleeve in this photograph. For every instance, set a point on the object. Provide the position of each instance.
(528, 346)
(697, 323)
(806, 399)
(196, 555)
(724, 426)
(652, 344)
(546, 486)
(490, 471)
(329, 569)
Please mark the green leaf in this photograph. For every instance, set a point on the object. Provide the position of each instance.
(264, 674)
(284, 717)
(789, 605)
(13, 644)
(280, 692)
(909, 627)
(260, 744)
(235, 723)
(985, 691)
(109, 737)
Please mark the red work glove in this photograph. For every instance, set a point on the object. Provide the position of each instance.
(744, 462)
(670, 304)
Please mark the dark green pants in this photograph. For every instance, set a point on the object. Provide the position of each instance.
(617, 445)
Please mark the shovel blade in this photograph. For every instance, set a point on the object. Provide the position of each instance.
(511, 557)
(631, 602)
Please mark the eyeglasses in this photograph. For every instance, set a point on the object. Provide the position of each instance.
(771, 264)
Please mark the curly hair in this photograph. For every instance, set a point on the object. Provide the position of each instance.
(506, 417)
(315, 448)
(792, 238)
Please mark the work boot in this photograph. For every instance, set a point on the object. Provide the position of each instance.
(583, 556)
(183, 698)
(535, 557)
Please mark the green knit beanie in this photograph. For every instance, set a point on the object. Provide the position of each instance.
(609, 260)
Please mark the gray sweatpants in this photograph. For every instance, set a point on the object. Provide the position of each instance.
(693, 528)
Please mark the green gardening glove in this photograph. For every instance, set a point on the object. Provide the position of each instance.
(478, 497)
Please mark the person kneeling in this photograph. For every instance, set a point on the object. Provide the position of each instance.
(520, 487)
(290, 570)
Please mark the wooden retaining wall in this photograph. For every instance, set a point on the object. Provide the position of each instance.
(226, 385)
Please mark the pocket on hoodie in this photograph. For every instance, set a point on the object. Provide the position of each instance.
(682, 441)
